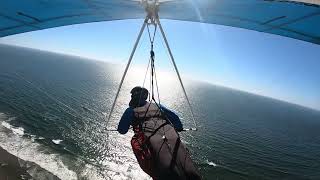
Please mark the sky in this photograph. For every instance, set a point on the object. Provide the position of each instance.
(260, 63)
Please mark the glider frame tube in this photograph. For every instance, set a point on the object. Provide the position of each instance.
(154, 19)
(177, 71)
(127, 67)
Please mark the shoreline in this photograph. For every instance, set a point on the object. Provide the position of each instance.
(10, 167)
(14, 168)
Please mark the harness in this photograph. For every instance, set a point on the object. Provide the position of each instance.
(143, 134)
(155, 137)
(152, 19)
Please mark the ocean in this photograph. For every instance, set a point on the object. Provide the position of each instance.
(53, 112)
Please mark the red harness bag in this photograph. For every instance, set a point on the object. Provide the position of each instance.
(143, 153)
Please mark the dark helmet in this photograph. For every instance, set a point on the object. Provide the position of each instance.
(138, 96)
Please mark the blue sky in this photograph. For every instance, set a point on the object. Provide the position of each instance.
(260, 63)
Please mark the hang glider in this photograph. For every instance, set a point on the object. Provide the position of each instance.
(298, 19)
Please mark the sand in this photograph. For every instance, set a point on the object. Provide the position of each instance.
(13, 168)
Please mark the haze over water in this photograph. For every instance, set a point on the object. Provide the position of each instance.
(55, 105)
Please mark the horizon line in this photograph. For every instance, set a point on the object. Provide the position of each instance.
(203, 81)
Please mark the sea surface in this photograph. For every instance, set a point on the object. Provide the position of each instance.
(53, 112)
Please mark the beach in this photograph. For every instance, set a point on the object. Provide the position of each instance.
(12, 168)
(54, 110)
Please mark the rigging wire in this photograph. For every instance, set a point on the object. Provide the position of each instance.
(59, 102)
(154, 33)
(145, 75)
(177, 72)
(56, 100)
(153, 78)
(158, 92)
(126, 69)
(152, 58)
(188, 129)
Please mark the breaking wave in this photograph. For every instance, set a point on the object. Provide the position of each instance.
(210, 163)
(65, 166)
(13, 141)
(57, 141)
(15, 130)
